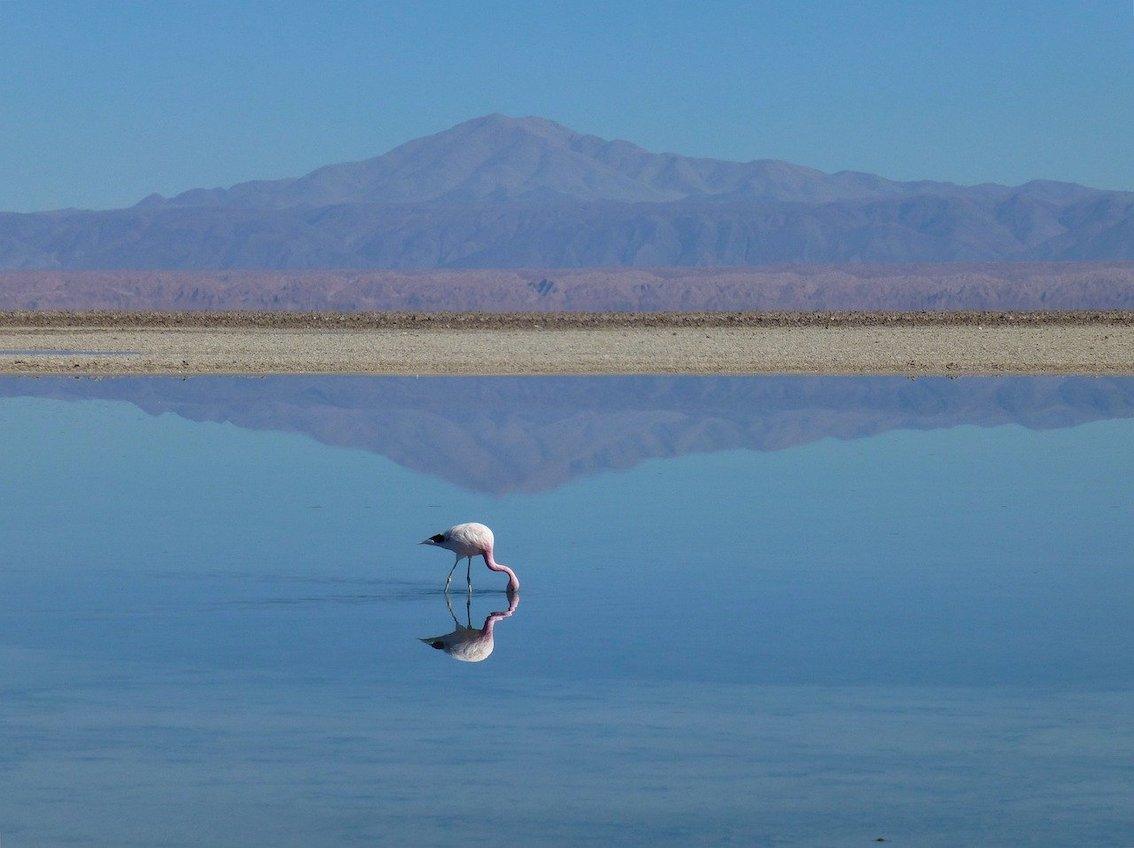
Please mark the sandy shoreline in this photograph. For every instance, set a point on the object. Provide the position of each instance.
(735, 343)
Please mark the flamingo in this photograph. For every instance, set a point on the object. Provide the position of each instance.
(466, 643)
(467, 541)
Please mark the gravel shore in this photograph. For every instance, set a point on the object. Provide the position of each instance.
(560, 320)
(567, 343)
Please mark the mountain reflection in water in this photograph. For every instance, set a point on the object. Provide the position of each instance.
(528, 434)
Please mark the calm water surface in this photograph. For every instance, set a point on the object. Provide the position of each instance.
(766, 611)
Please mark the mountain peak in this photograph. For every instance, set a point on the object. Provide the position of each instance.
(492, 158)
(501, 130)
(533, 124)
(504, 191)
(500, 158)
(528, 122)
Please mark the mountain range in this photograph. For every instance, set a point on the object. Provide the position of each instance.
(502, 192)
(505, 434)
(980, 286)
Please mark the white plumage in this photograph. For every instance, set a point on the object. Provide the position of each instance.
(468, 644)
(467, 541)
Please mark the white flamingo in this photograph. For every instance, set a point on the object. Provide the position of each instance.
(467, 541)
(466, 643)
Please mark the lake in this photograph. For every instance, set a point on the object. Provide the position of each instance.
(774, 611)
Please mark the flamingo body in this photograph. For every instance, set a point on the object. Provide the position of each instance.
(470, 540)
(467, 540)
(466, 643)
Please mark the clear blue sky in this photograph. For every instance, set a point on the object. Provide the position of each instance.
(104, 102)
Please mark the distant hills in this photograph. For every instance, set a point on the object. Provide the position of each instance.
(990, 286)
(507, 434)
(501, 192)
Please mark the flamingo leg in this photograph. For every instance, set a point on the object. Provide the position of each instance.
(449, 604)
(449, 579)
(468, 575)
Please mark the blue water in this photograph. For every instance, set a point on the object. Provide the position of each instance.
(755, 611)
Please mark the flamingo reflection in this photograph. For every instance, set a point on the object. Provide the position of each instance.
(466, 643)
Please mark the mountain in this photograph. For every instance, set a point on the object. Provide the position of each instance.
(504, 434)
(500, 159)
(528, 192)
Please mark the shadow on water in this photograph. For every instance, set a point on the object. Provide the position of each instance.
(372, 589)
(467, 643)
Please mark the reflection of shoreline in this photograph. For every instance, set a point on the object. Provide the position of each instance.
(530, 434)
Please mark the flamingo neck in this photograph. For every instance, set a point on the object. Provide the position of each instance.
(490, 621)
(493, 565)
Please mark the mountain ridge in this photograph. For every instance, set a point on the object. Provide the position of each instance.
(500, 192)
(632, 173)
